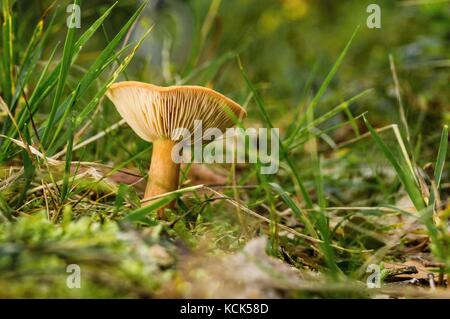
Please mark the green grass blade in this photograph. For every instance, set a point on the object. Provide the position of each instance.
(298, 113)
(67, 111)
(141, 213)
(101, 92)
(328, 78)
(320, 188)
(29, 60)
(322, 225)
(98, 66)
(262, 110)
(68, 53)
(120, 197)
(210, 68)
(332, 72)
(318, 96)
(66, 104)
(45, 86)
(328, 115)
(5, 210)
(201, 35)
(298, 213)
(89, 108)
(25, 113)
(32, 55)
(29, 169)
(352, 121)
(104, 59)
(84, 38)
(7, 52)
(442, 153)
(68, 163)
(42, 91)
(403, 173)
(258, 99)
(404, 127)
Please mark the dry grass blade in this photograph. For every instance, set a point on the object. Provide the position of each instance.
(281, 226)
(91, 139)
(32, 150)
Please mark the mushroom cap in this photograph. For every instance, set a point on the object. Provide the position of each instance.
(156, 112)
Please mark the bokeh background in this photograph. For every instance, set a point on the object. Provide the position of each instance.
(287, 47)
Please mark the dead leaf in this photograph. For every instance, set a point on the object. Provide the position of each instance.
(129, 177)
(410, 269)
(200, 174)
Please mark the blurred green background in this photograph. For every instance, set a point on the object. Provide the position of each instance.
(287, 47)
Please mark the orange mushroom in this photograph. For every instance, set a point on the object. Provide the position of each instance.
(157, 113)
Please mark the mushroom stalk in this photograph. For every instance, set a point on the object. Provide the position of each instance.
(164, 172)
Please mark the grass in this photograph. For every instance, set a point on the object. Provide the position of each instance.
(358, 184)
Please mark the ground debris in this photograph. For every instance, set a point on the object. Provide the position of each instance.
(412, 271)
(250, 273)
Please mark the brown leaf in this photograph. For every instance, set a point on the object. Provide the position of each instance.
(129, 177)
(202, 174)
(408, 270)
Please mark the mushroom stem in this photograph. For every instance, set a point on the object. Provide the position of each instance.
(164, 172)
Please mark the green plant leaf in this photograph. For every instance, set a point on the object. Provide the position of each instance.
(141, 213)
(442, 153)
(403, 172)
(68, 52)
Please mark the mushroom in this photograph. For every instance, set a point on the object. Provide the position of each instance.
(155, 113)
